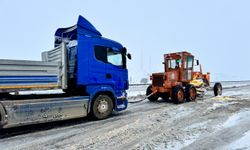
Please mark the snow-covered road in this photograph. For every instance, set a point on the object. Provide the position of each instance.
(209, 123)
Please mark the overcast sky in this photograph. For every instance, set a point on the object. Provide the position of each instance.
(217, 32)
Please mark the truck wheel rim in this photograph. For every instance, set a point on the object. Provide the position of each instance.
(180, 96)
(102, 106)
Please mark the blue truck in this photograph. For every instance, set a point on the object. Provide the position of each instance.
(90, 70)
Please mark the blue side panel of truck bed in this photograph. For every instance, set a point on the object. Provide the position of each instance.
(15, 80)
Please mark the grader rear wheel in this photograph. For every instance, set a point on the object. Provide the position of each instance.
(190, 93)
(178, 95)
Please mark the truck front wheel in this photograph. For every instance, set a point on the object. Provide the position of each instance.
(102, 107)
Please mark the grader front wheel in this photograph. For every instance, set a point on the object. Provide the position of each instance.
(151, 98)
(217, 89)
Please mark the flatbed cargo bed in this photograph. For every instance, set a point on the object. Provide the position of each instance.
(50, 73)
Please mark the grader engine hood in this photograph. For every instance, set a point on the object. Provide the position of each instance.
(158, 79)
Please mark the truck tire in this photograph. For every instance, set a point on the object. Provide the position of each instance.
(152, 98)
(217, 89)
(190, 93)
(178, 95)
(102, 107)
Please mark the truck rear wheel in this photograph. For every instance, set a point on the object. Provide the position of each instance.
(102, 107)
(190, 93)
(151, 98)
(217, 89)
(178, 95)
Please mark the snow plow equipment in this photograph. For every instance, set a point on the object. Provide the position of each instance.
(179, 81)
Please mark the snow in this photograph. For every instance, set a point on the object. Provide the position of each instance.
(242, 143)
(233, 84)
(237, 118)
(220, 104)
(220, 122)
(243, 93)
(137, 90)
(184, 142)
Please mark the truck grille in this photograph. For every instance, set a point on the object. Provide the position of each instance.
(157, 80)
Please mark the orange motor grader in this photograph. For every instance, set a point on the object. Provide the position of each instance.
(180, 81)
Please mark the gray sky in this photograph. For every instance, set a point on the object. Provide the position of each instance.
(216, 32)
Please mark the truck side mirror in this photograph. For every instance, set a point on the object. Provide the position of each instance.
(129, 56)
(197, 63)
(124, 50)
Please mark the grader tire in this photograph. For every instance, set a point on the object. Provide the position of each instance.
(217, 89)
(151, 98)
(190, 93)
(178, 95)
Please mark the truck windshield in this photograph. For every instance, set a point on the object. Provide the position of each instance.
(115, 58)
(111, 56)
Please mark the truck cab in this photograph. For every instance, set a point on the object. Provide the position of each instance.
(97, 64)
(90, 69)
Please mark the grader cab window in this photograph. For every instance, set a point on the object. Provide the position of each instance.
(174, 63)
(190, 62)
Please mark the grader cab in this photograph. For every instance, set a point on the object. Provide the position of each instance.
(179, 81)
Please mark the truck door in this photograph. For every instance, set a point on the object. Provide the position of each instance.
(97, 70)
(108, 66)
(116, 68)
